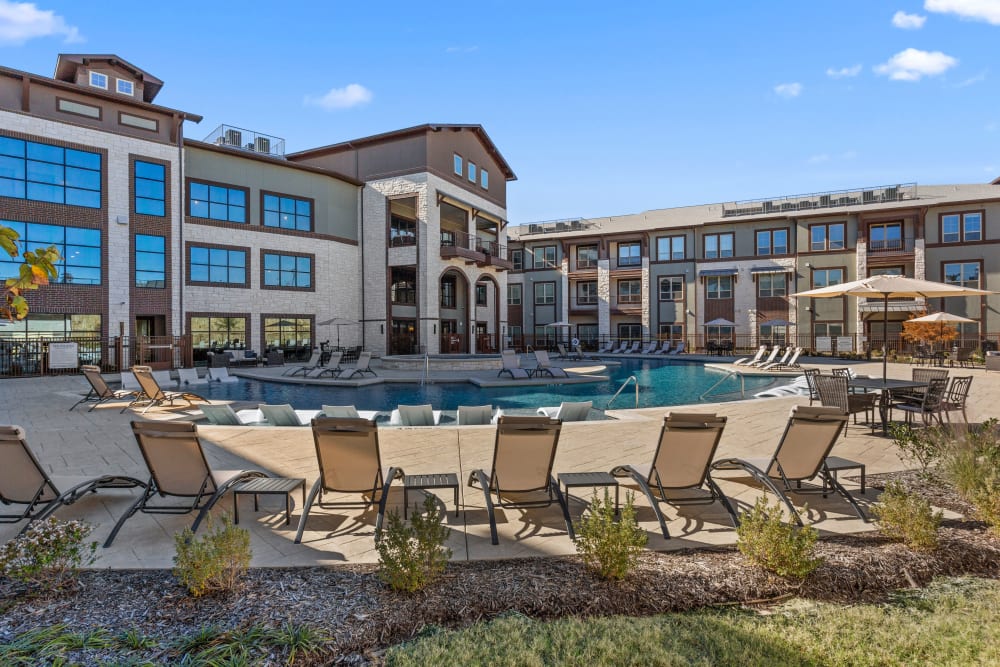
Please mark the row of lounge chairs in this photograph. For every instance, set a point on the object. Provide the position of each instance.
(789, 361)
(633, 347)
(140, 385)
(327, 364)
(511, 365)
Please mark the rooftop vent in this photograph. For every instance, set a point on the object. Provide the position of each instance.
(247, 140)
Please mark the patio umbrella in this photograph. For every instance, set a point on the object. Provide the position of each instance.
(891, 287)
(777, 323)
(942, 319)
(339, 322)
(720, 322)
(560, 323)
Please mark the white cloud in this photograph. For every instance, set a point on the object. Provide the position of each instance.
(788, 90)
(905, 21)
(818, 159)
(975, 10)
(351, 95)
(972, 80)
(914, 64)
(461, 49)
(843, 72)
(21, 21)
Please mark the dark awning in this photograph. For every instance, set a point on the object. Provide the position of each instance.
(717, 272)
(771, 269)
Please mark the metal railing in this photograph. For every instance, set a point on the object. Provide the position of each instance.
(26, 357)
(835, 198)
(247, 140)
(630, 378)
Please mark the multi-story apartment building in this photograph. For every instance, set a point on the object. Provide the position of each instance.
(665, 274)
(396, 242)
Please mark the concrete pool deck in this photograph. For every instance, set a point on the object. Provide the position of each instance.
(100, 442)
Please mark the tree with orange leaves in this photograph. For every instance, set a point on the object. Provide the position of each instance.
(928, 332)
(36, 270)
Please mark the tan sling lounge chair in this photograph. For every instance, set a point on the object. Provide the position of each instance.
(152, 395)
(178, 469)
(349, 461)
(523, 454)
(544, 365)
(683, 455)
(100, 392)
(512, 366)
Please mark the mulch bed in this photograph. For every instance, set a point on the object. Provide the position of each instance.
(363, 616)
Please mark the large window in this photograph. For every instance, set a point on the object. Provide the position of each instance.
(291, 271)
(630, 331)
(771, 284)
(630, 291)
(448, 291)
(827, 277)
(79, 250)
(402, 231)
(403, 285)
(218, 331)
(42, 172)
(218, 266)
(287, 213)
(545, 257)
(832, 329)
(670, 248)
(670, 332)
(961, 227)
(719, 287)
(481, 295)
(887, 236)
(52, 326)
(517, 259)
(217, 202)
(150, 188)
(965, 274)
(826, 237)
(150, 261)
(545, 294)
(672, 288)
(586, 257)
(587, 333)
(629, 254)
(514, 295)
(288, 331)
(772, 242)
(718, 245)
(586, 293)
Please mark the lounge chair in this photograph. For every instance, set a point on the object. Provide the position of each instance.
(791, 363)
(563, 354)
(284, 415)
(801, 455)
(607, 348)
(189, 376)
(622, 347)
(100, 392)
(153, 395)
(544, 365)
(568, 411)
(780, 362)
(349, 461)
(223, 415)
(633, 348)
(331, 368)
(664, 348)
(348, 412)
(315, 361)
(511, 365)
(679, 349)
(683, 455)
(178, 468)
(23, 481)
(164, 378)
(221, 374)
(523, 454)
(415, 415)
(477, 415)
(361, 367)
(651, 348)
(754, 359)
(770, 358)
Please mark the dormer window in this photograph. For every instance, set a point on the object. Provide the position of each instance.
(458, 165)
(472, 172)
(125, 87)
(98, 80)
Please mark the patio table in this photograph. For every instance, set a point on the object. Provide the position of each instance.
(885, 388)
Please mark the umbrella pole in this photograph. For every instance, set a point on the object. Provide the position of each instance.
(885, 336)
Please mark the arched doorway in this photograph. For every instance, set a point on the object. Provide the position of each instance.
(453, 306)
(487, 315)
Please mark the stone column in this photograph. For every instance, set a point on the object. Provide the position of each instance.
(645, 299)
(604, 298)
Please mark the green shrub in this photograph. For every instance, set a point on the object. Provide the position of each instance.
(925, 446)
(214, 563)
(412, 556)
(972, 465)
(774, 545)
(906, 516)
(610, 548)
(49, 554)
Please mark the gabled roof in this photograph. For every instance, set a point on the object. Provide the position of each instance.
(68, 63)
(410, 131)
(260, 157)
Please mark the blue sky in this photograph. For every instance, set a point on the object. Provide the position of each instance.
(601, 108)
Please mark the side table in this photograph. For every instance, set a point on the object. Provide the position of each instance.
(447, 480)
(570, 480)
(268, 486)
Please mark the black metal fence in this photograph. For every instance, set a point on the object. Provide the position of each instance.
(50, 356)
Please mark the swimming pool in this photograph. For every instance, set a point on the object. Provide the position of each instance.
(660, 383)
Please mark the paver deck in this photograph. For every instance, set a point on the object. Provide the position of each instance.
(100, 442)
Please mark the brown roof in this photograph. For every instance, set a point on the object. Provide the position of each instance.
(259, 157)
(68, 63)
(410, 131)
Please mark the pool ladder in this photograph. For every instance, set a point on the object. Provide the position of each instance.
(631, 378)
(743, 393)
(424, 378)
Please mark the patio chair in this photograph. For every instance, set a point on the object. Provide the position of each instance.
(274, 358)
(332, 367)
(568, 411)
(23, 481)
(189, 376)
(664, 348)
(348, 412)
(683, 455)
(679, 349)
(956, 397)
(633, 348)
(523, 454)
(415, 415)
(606, 348)
(930, 405)
(544, 365)
(511, 365)
(477, 415)
(922, 375)
(178, 469)
(361, 367)
(833, 393)
(221, 374)
(315, 361)
(153, 396)
(761, 351)
(223, 415)
(802, 455)
(347, 453)
(770, 358)
(653, 344)
(785, 365)
(284, 415)
(810, 376)
(563, 354)
(963, 357)
(100, 392)
(621, 349)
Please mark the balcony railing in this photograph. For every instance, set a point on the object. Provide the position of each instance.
(891, 247)
(835, 198)
(557, 226)
(247, 140)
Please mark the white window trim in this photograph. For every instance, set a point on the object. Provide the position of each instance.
(458, 165)
(130, 84)
(98, 74)
(472, 172)
(484, 178)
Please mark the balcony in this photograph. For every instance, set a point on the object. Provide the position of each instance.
(496, 255)
(901, 305)
(461, 245)
(878, 194)
(890, 249)
(247, 140)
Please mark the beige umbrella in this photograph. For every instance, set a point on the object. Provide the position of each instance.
(892, 287)
(942, 319)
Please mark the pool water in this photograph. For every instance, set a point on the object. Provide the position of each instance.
(661, 383)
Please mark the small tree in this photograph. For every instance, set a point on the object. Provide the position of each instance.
(928, 333)
(37, 269)
(610, 548)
